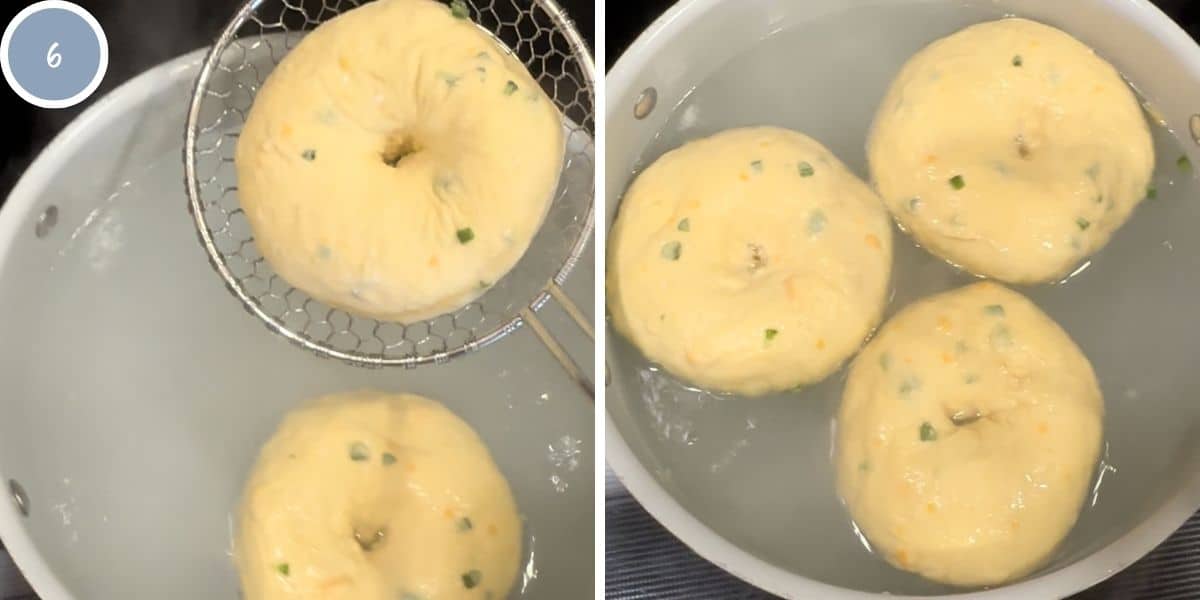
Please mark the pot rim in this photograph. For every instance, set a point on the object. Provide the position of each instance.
(702, 540)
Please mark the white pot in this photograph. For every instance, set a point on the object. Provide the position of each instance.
(748, 484)
(138, 391)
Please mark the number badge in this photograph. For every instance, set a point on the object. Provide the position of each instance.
(54, 54)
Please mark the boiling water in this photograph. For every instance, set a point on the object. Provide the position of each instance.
(759, 471)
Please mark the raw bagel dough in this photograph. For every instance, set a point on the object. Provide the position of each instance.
(988, 500)
(481, 146)
(1050, 144)
(750, 261)
(347, 466)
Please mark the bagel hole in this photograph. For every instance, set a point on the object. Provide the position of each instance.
(758, 257)
(397, 149)
(1023, 149)
(369, 541)
(964, 417)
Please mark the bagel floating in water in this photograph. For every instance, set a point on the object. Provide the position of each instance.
(967, 437)
(373, 496)
(398, 161)
(751, 261)
(1011, 150)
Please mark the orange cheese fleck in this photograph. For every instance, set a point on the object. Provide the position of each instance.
(943, 324)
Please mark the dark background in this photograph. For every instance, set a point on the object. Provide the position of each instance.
(141, 34)
(644, 562)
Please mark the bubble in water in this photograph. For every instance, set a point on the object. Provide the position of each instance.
(671, 406)
(564, 453)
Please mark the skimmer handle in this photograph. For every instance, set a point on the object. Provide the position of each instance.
(548, 340)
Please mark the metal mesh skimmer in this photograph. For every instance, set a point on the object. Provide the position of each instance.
(251, 45)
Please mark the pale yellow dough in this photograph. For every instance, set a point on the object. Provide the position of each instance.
(371, 496)
(751, 261)
(968, 435)
(1051, 146)
(482, 149)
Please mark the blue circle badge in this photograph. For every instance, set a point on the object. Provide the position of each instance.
(54, 54)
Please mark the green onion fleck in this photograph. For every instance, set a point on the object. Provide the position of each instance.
(770, 334)
(995, 310)
(909, 385)
(970, 378)
(510, 88)
(1093, 171)
(671, 250)
(1185, 164)
(359, 452)
(928, 433)
(458, 8)
(806, 170)
(483, 285)
(471, 578)
(960, 347)
(309, 155)
(1151, 191)
(450, 78)
(1018, 61)
(914, 205)
(465, 235)
(684, 225)
(389, 459)
(757, 166)
(957, 182)
(885, 361)
(1000, 338)
(816, 222)
(1083, 223)
(464, 524)
(864, 466)
(284, 569)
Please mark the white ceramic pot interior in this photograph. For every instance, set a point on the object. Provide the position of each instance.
(139, 391)
(749, 484)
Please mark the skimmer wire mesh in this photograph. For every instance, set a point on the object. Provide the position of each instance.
(253, 43)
